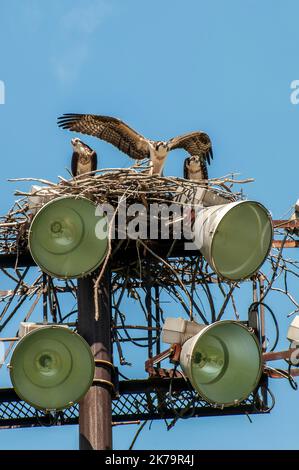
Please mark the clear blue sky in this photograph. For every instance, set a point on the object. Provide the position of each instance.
(166, 68)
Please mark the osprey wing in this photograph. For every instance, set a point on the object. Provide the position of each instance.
(110, 129)
(186, 173)
(75, 158)
(195, 143)
(94, 161)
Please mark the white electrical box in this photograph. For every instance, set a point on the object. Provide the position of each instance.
(27, 327)
(39, 197)
(178, 330)
(173, 329)
(293, 331)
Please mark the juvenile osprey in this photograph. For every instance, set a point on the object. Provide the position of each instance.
(84, 159)
(295, 216)
(126, 139)
(195, 168)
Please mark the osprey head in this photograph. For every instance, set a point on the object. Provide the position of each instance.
(195, 159)
(81, 148)
(161, 149)
(77, 143)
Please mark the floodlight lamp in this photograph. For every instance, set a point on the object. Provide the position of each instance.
(223, 360)
(63, 238)
(234, 238)
(51, 367)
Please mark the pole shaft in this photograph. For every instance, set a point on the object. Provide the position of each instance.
(95, 414)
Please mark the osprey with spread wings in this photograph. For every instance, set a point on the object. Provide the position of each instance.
(126, 139)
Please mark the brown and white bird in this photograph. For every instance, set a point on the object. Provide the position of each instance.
(84, 158)
(195, 168)
(295, 216)
(126, 139)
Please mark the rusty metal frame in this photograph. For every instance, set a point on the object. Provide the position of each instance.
(144, 399)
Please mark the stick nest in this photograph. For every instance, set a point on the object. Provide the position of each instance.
(104, 186)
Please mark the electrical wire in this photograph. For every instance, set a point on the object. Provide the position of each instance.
(123, 376)
(137, 434)
(267, 409)
(273, 278)
(286, 375)
(128, 335)
(253, 307)
(292, 382)
(53, 419)
(184, 414)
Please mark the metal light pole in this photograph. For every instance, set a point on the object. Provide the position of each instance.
(95, 416)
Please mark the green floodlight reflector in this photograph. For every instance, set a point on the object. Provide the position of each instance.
(51, 368)
(63, 239)
(234, 238)
(223, 362)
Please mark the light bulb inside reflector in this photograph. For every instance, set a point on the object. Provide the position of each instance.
(210, 359)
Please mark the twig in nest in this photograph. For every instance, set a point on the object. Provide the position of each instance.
(98, 280)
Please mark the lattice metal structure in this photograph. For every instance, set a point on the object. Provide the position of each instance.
(153, 403)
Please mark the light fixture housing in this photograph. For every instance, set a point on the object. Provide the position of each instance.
(235, 238)
(223, 360)
(51, 367)
(63, 239)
